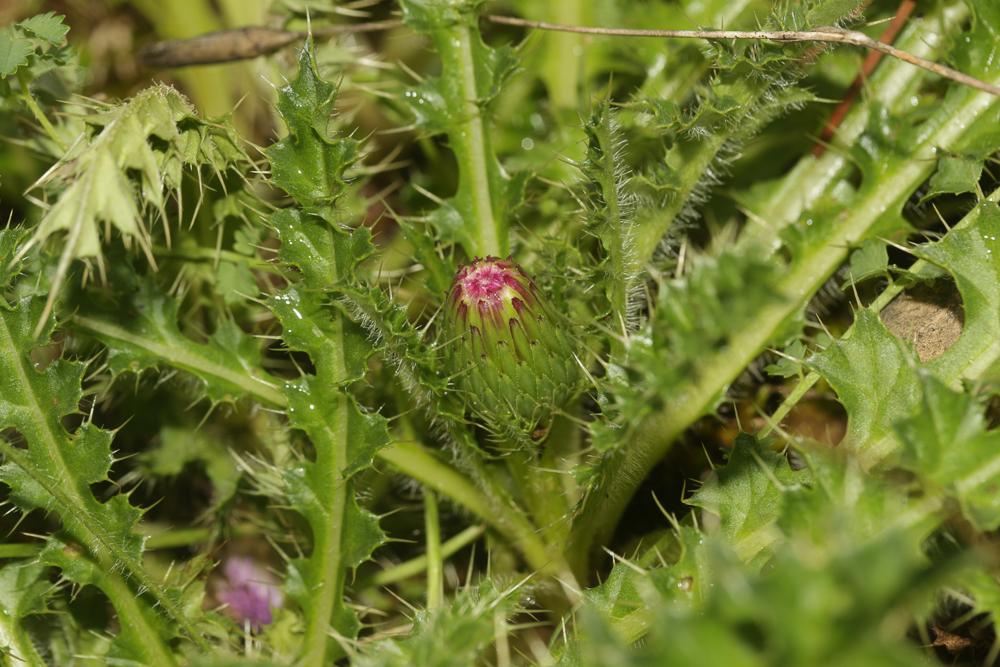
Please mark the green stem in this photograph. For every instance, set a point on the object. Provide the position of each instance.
(327, 554)
(36, 110)
(417, 565)
(18, 648)
(134, 621)
(901, 175)
(480, 180)
(435, 574)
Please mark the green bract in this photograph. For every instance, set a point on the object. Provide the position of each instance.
(508, 350)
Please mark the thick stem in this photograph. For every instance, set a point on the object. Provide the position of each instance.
(327, 554)
(480, 180)
(901, 176)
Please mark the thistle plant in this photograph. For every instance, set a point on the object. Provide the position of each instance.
(489, 341)
(512, 359)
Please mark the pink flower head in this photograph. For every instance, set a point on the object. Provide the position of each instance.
(249, 592)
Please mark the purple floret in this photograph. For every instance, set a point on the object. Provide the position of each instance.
(249, 591)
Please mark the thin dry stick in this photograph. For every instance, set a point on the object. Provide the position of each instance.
(823, 35)
(253, 41)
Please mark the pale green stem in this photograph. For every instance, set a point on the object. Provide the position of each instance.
(36, 111)
(479, 173)
(327, 553)
(15, 640)
(891, 86)
(799, 283)
(134, 621)
(563, 53)
(417, 565)
(435, 559)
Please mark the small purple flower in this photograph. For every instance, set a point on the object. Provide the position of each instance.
(249, 592)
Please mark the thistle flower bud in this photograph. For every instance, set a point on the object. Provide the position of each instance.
(511, 356)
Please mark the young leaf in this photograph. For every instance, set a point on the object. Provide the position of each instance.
(945, 441)
(746, 494)
(874, 377)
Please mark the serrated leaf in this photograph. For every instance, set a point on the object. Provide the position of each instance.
(14, 52)
(874, 376)
(955, 175)
(454, 636)
(309, 164)
(945, 441)
(55, 468)
(746, 494)
(48, 26)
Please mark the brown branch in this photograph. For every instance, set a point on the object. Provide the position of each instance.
(227, 46)
(250, 42)
(906, 8)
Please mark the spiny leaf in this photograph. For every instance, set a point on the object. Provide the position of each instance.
(746, 494)
(309, 163)
(156, 135)
(945, 441)
(143, 332)
(455, 636)
(694, 318)
(874, 376)
(55, 469)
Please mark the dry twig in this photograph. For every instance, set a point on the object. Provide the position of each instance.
(250, 42)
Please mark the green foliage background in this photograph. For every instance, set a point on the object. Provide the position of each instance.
(220, 338)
